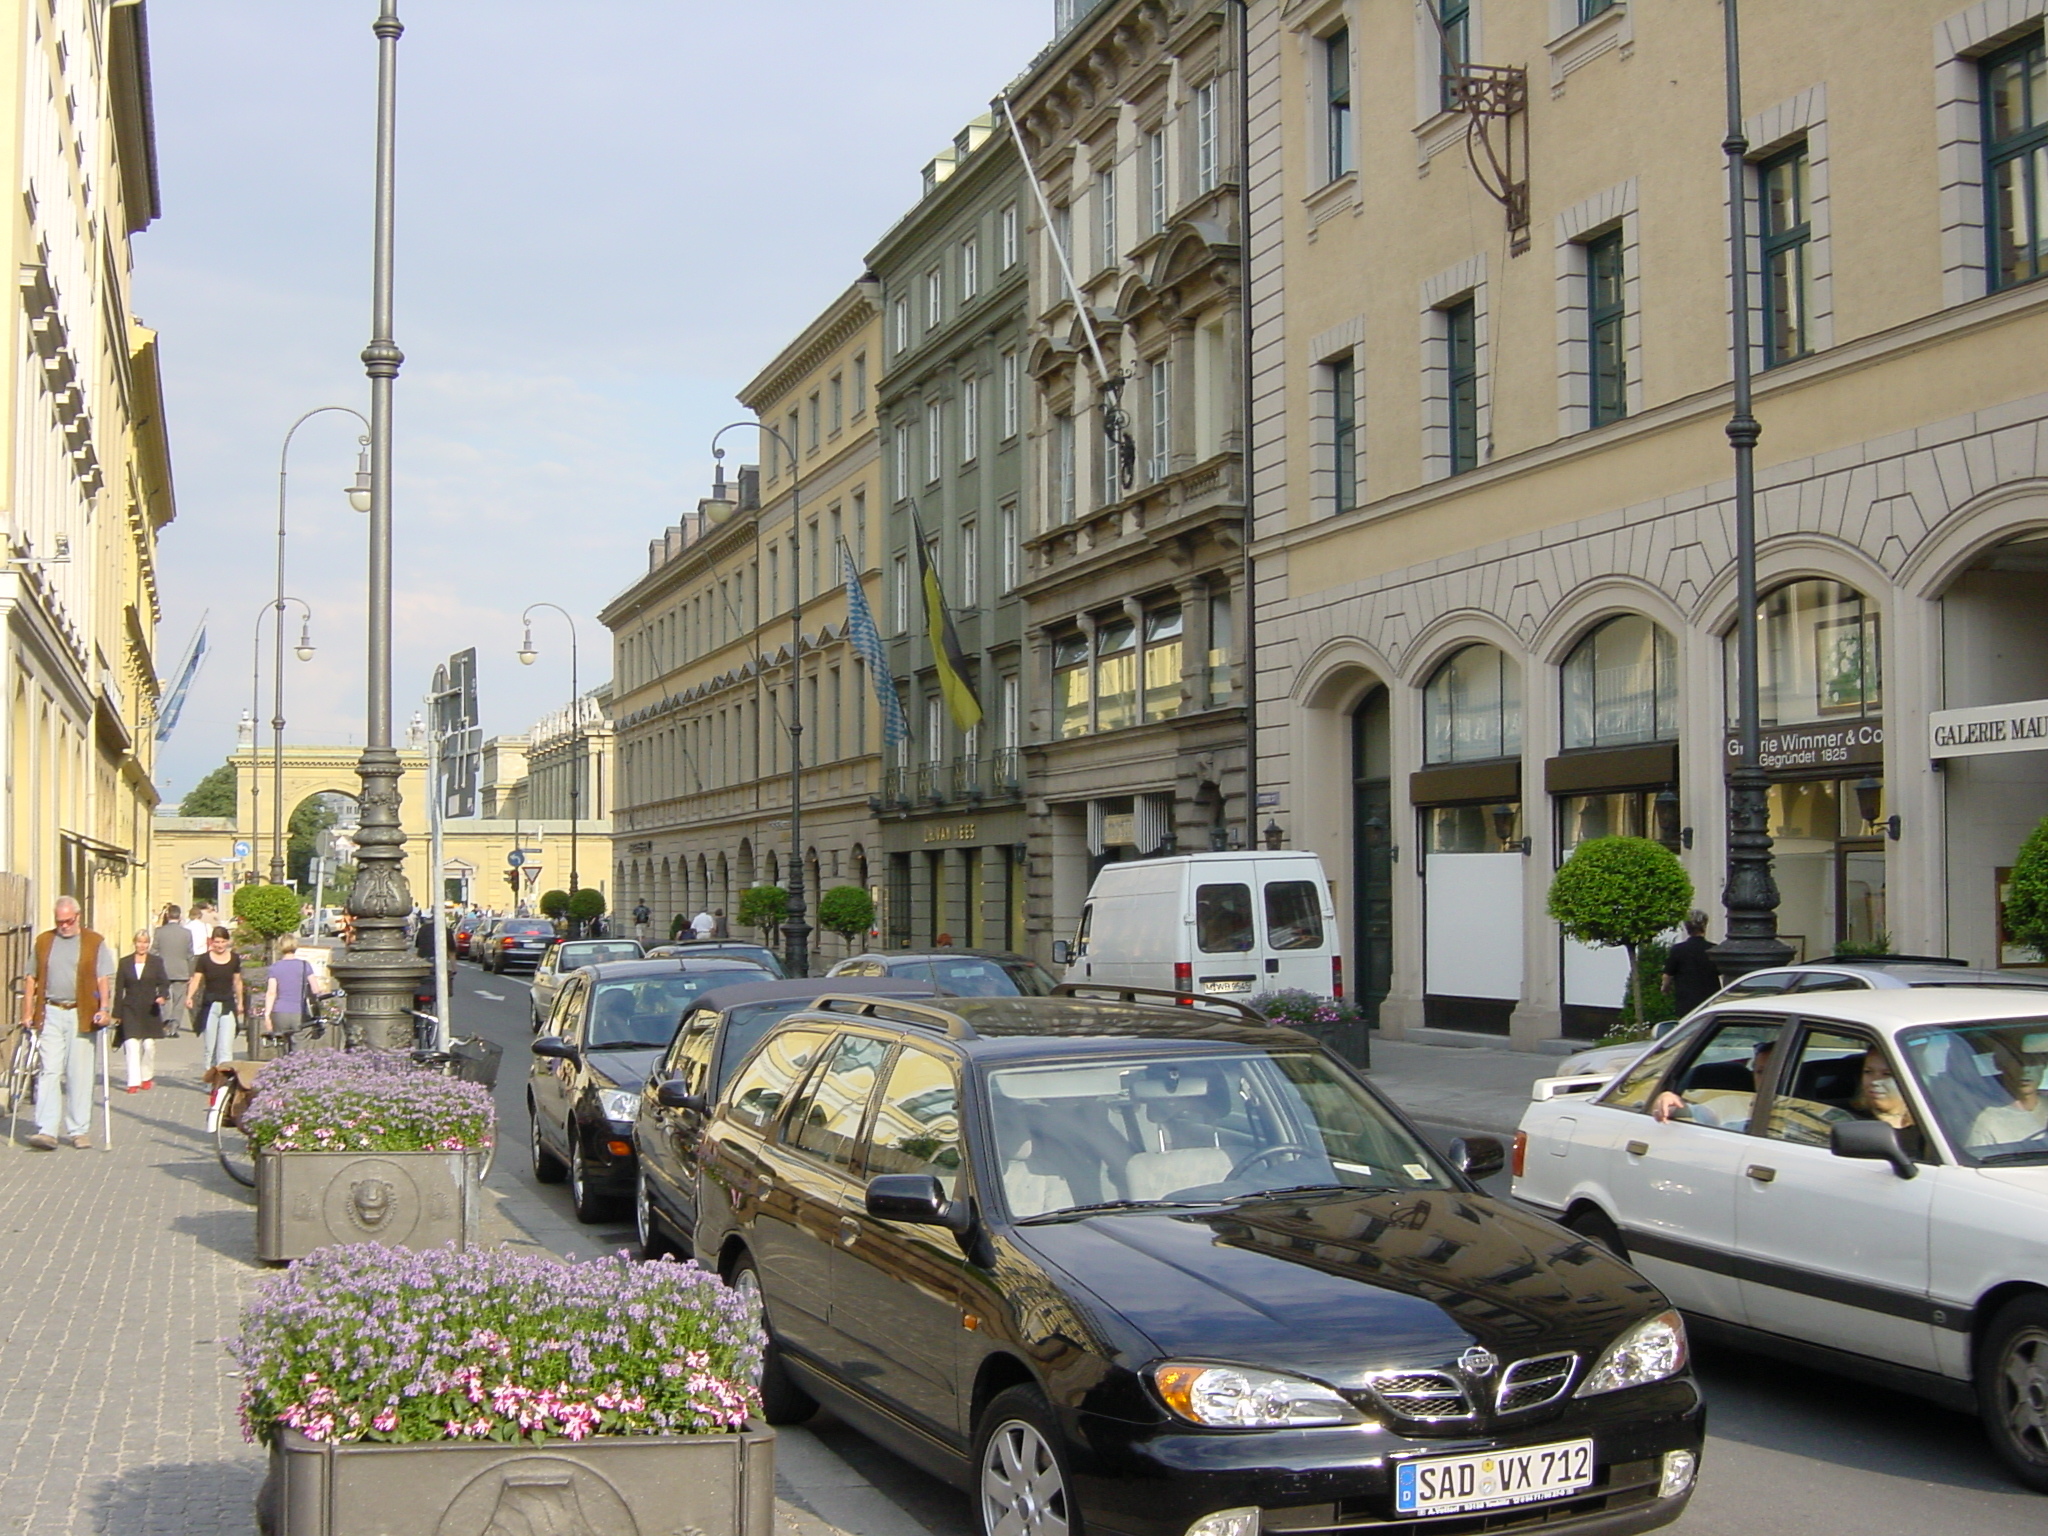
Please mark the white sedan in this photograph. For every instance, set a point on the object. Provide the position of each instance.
(1854, 1180)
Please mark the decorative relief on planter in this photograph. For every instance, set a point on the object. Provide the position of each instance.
(307, 1200)
(538, 1496)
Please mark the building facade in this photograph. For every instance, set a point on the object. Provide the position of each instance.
(84, 466)
(741, 614)
(1134, 546)
(1494, 510)
(952, 416)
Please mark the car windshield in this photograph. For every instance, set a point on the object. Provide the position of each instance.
(527, 928)
(745, 1026)
(1982, 1083)
(574, 956)
(979, 976)
(645, 1011)
(1160, 1128)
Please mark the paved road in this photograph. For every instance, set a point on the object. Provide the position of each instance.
(1788, 1451)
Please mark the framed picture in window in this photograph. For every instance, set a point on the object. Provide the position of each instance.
(1844, 663)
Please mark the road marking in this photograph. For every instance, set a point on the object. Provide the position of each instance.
(496, 997)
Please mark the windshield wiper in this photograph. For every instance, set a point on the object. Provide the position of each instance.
(2011, 1157)
(1318, 1189)
(1068, 1213)
(629, 1045)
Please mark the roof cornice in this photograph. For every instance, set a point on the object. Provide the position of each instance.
(839, 324)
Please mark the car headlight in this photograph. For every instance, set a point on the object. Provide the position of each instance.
(1650, 1351)
(1236, 1397)
(619, 1103)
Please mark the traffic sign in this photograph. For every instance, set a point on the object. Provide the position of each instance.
(242, 848)
(515, 858)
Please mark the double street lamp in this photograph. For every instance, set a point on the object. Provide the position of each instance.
(527, 656)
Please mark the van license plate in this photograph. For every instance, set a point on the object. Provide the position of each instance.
(1444, 1485)
(1226, 983)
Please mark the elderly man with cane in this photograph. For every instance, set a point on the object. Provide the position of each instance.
(65, 1003)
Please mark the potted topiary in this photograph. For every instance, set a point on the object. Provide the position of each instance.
(1620, 891)
(492, 1391)
(269, 912)
(359, 1145)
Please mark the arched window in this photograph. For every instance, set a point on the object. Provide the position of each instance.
(1472, 707)
(1621, 685)
(1817, 656)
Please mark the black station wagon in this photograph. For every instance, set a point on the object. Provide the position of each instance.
(1162, 1271)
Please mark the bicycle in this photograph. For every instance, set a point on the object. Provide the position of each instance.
(233, 1088)
(469, 1058)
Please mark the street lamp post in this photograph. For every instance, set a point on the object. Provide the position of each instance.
(1751, 893)
(796, 933)
(304, 651)
(526, 659)
(380, 971)
(277, 870)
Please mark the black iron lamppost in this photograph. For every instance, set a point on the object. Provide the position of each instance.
(1751, 893)
(380, 971)
(796, 933)
(304, 651)
(526, 659)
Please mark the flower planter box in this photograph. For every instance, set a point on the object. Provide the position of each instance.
(625, 1485)
(309, 1200)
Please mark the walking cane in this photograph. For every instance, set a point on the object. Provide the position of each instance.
(106, 1096)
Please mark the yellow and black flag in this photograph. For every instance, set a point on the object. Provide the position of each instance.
(947, 658)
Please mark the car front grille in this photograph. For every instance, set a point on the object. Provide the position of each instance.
(1533, 1382)
(1428, 1397)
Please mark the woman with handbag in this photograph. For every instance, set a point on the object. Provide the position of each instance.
(287, 991)
(140, 991)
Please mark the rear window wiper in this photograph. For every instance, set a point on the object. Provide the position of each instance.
(1067, 1213)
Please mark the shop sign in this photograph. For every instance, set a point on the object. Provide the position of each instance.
(1120, 828)
(1817, 748)
(1988, 728)
(949, 832)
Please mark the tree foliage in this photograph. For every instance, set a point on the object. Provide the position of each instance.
(554, 904)
(269, 911)
(764, 907)
(1620, 891)
(2026, 893)
(587, 903)
(213, 795)
(846, 910)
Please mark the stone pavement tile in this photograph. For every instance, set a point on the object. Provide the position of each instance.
(1471, 1088)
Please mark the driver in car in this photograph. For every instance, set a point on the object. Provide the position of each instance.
(2027, 1115)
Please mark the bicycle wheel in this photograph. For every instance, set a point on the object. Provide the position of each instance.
(237, 1157)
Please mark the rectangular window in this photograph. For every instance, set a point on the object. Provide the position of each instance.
(1207, 142)
(934, 439)
(1006, 236)
(1116, 675)
(900, 470)
(2015, 95)
(838, 390)
(1155, 181)
(1454, 51)
(860, 530)
(970, 420)
(811, 555)
(836, 697)
(1063, 231)
(1343, 376)
(1162, 663)
(934, 298)
(1010, 395)
(860, 384)
(1106, 244)
(1010, 721)
(1006, 530)
(1461, 363)
(774, 578)
(838, 535)
(1109, 455)
(789, 433)
(1337, 103)
(970, 268)
(899, 324)
(1588, 9)
(815, 409)
(1063, 467)
(1606, 336)
(1787, 276)
(1070, 685)
(899, 592)
(970, 565)
(1159, 434)
(934, 729)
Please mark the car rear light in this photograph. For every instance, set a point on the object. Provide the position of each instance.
(1521, 1153)
(1337, 977)
(1183, 976)
(620, 1148)
(506, 943)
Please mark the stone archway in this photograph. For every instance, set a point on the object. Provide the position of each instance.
(311, 771)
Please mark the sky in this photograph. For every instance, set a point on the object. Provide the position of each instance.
(611, 215)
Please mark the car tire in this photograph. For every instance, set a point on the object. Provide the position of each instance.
(590, 1206)
(2012, 1387)
(782, 1400)
(1592, 1224)
(1021, 1483)
(547, 1168)
(653, 1241)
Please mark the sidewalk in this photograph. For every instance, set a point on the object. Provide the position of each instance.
(1473, 1088)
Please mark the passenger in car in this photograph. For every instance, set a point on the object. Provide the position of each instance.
(1879, 1098)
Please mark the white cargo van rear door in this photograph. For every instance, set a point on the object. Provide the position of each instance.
(1297, 926)
(1226, 950)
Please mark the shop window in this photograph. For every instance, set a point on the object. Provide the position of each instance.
(1070, 678)
(1116, 675)
(1818, 656)
(1614, 813)
(1621, 686)
(1472, 708)
(1472, 828)
(1829, 865)
(1162, 663)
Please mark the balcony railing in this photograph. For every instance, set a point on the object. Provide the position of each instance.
(1007, 772)
(931, 783)
(967, 778)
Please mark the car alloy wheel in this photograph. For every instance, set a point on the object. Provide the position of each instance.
(645, 1224)
(1023, 1485)
(547, 1168)
(2012, 1386)
(589, 1208)
(782, 1400)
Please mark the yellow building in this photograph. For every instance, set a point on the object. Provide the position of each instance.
(84, 467)
(1494, 489)
(703, 642)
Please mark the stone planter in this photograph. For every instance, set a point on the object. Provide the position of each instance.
(628, 1485)
(308, 1200)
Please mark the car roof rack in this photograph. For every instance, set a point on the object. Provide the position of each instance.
(1111, 991)
(898, 1011)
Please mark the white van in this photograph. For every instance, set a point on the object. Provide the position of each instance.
(1244, 922)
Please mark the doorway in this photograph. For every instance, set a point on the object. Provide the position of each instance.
(1372, 855)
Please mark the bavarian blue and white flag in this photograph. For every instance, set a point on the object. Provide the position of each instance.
(866, 641)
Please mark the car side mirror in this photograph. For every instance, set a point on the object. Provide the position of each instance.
(1662, 1028)
(1478, 1157)
(554, 1047)
(1062, 952)
(917, 1198)
(1875, 1140)
(674, 1093)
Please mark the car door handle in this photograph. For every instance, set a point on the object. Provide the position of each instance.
(849, 1231)
(1638, 1149)
(1760, 1173)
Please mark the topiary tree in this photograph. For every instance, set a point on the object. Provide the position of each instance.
(586, 906)
(848, 911)
(269, 911)
(2026, 893)
(764, 907)
(554, 904)
(1620, 891)
(1654, 988)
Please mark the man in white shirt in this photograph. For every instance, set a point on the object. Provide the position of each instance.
(200, 925)
(703, 925)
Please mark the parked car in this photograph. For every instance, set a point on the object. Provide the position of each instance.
(463, 934)
(717, 1034)
(1243, 922)
(962, 972)
(611, 1023)
(760, 954)
(513, 944)
(1143, 1269)
(1855, 1180)
(572, 955)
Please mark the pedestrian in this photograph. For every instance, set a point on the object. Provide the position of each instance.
(200, 925)
(1690, 966)
(287, 991)
(643, 920)
(215, 997)
(703, 925)
(718, 928)
(172, 945)
(142, 987)
(65, 1002)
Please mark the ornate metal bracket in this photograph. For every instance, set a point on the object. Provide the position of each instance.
(1495, 101)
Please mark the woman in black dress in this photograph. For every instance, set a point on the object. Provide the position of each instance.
(140, 990)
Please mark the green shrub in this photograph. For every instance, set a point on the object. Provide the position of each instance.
(554, 904)
(848, 911)
(1621, 891)
(764, 907)
(586, 904)
(1651, 984)
(2026, 893)
(269, 911)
